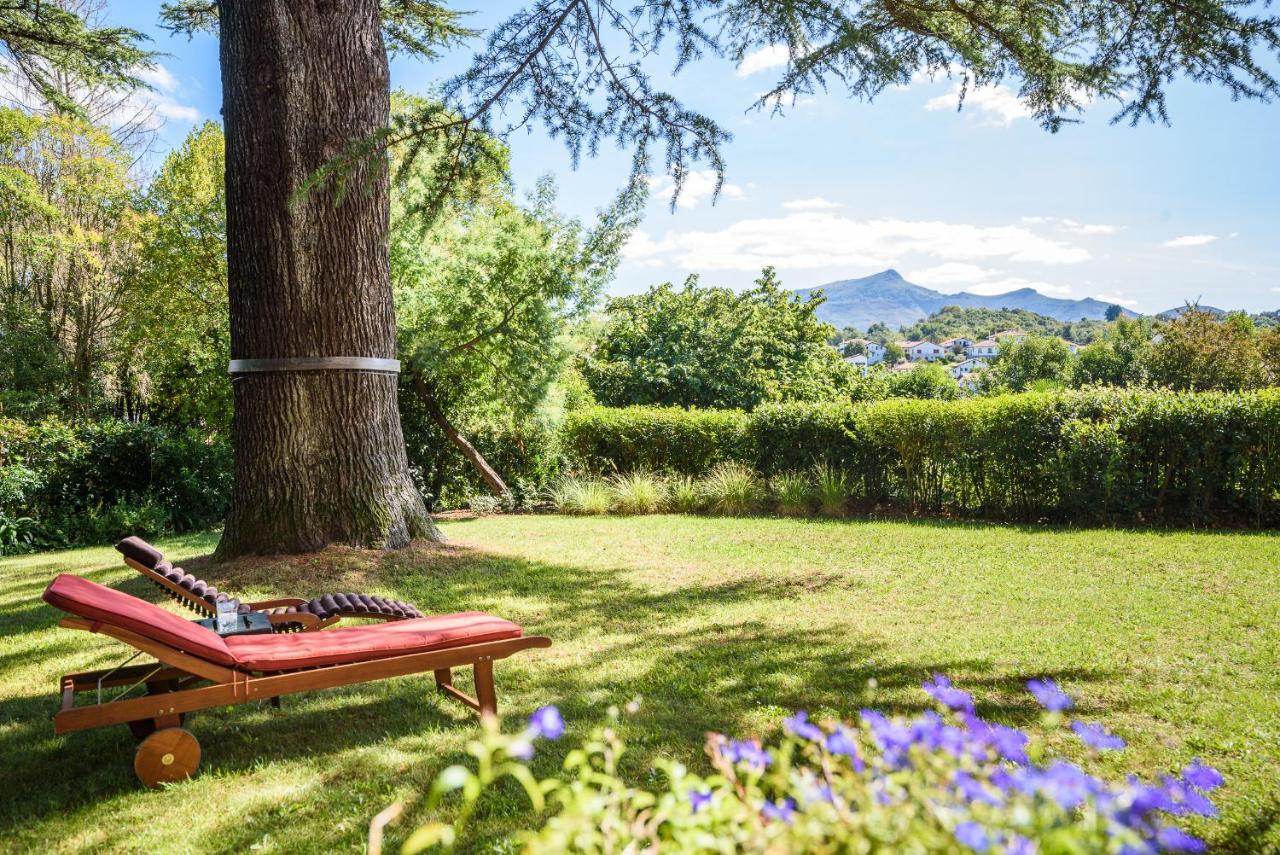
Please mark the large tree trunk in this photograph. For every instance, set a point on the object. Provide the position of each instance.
(319, 455)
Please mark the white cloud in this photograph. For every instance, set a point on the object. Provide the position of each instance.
(950, 273)
(1088, 228)
(1118, 299)
(160, 77)
(980, 280)
(698, 185)
(806, 240)
(817, 203)
(770, 56)
(999, 105)
(1191, 240)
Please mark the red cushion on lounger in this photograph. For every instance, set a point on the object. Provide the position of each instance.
(370, 641)
(99, 603)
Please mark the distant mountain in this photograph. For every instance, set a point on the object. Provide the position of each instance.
(888, 298)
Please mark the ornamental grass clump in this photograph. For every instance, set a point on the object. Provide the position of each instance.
(833, 489)
(794, 493)
(943, 781)
(582, 496)
(732, 489)
(638, 493)
(683, 496)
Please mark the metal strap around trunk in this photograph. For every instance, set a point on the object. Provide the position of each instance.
(315, 363)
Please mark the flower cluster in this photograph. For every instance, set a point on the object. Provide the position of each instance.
(944, 780)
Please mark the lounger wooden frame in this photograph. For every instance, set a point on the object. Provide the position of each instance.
(172, 689)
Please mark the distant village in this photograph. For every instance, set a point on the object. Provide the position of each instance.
(965, 357)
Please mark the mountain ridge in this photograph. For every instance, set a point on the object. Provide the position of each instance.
(887, 297)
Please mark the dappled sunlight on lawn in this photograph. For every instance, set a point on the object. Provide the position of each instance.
(716, 624)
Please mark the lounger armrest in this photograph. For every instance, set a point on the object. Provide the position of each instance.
(276, 604)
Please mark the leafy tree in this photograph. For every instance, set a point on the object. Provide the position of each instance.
(709, 347)
(893, 353)
(1024, 364)
(1118, 359)
(927, 380)
(69, 237)
(1114, 312)
(1200, 353)
(47, 43)
(182, 335)
(485, 294)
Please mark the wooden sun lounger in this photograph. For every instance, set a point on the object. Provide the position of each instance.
(196, 669)
(286, 614)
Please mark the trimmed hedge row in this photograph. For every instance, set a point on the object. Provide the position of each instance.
(1111, 456)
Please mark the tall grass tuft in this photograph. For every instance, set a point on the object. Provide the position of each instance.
(833, 488)
(582, 496)
(638, 493)
(732, 489)
(683, 495)
(794, 492)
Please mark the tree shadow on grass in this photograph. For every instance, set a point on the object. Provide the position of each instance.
(615, 639)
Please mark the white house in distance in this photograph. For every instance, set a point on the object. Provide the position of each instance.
(956, 345)
(986, 347)
(1072, 347)
(923, 350)
(961, 369)
(1013, 335)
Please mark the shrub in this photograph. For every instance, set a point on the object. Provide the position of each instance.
(1123, 456)
(683, 495)
(794, 493)
(732, 489)
(654, 439)
(943, 781)
(94, 481)
(832, 489)
(638, 493)
(582, 496)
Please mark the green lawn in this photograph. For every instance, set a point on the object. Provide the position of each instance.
(1171, 639)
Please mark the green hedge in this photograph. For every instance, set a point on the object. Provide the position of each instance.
(64, 484)
(603, 439)
(1115, 456)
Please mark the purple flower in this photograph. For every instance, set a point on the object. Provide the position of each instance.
(973, 790)
(1065, 783)
(1016, 844)
(547, 723)
(800, 725)
(521, 749)
(1175, 839)
(842, 743)
(698, 799)
(749, 753)
(950, 697)
(1096, 736)
(1011, 743)
(1050, 695)
(973, 835)
(1186, 799)
(783, 809)
(1202, 777)
(894, 739)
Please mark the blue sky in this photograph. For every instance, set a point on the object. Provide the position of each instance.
(980, 200)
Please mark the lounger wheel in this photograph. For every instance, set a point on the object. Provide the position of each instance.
(167, 756)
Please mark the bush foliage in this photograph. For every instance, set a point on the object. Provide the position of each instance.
(91, 482)
(1109, 456)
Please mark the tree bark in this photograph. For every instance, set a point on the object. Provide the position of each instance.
(319, 455)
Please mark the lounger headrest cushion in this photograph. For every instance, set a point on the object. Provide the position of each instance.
(97, 602)
(141, 551)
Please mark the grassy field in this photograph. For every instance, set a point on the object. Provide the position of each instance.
(1171, 639)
